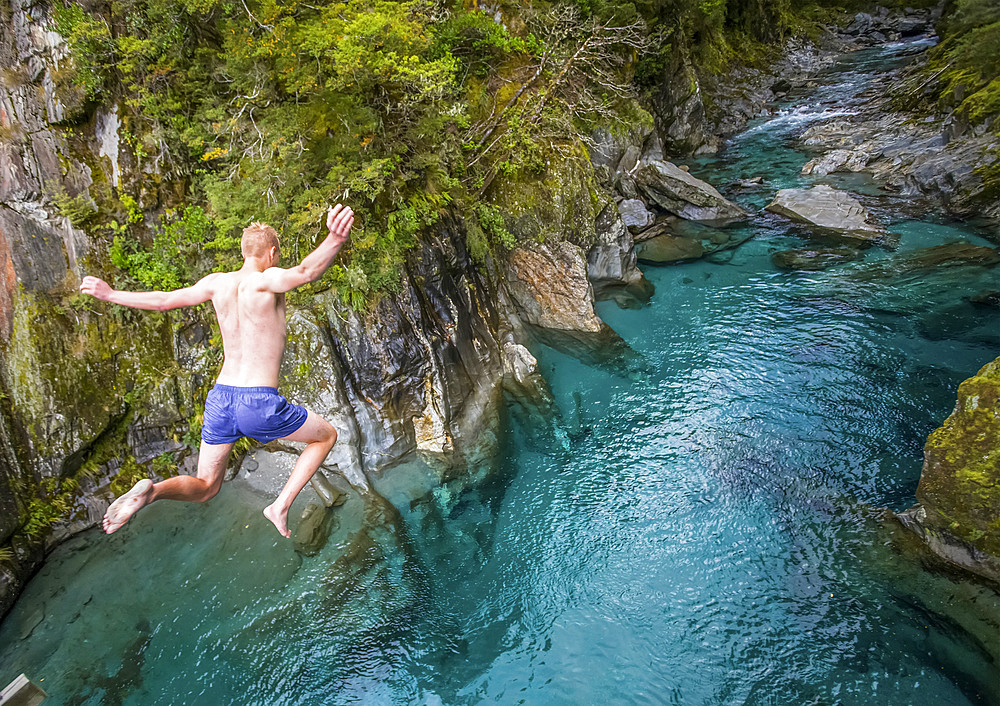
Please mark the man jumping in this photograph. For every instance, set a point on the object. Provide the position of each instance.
(250, 306)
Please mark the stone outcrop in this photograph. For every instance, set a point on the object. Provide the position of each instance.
(550, 287)
(678, 192)
(959, 492)
(826, 207)
(611, 262)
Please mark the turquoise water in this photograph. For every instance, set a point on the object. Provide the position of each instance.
(699, 531)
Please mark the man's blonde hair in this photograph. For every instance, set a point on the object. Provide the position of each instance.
(258, 238)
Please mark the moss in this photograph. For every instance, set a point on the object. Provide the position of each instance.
(560, 203)
(960, 483)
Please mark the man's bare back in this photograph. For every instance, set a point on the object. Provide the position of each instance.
(250, 306)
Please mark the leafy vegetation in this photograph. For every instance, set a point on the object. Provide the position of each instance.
(967, 60)
(273, 111)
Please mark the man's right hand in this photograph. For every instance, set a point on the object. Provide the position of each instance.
(339, 220)
(96, 287)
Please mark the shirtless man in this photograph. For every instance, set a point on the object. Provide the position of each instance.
(250, 306)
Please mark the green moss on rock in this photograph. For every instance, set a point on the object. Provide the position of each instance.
(560, 203)
(960, 484)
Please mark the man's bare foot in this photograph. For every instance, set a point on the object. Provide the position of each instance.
(127, 505)
(279, 518)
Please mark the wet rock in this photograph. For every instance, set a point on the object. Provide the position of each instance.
(813, 259)
(329, 494)
(678, 192)
(987, 297)
(29, 624)
(635, 214)
(826, 207)
(611, 262)
(676, 240)
(668, 248)
(313, 529)
(958, 514)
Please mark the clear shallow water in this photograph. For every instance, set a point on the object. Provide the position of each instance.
(696, 533)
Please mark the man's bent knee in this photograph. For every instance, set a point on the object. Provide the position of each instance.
(329, 433)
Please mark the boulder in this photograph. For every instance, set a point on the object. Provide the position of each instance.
(667, 248)
(611, 262)
(838, 161)
(548, 283)
(826, 207)
(635, 214)
(813, 259)
(958, 514)
(551, 288)
(680, 193)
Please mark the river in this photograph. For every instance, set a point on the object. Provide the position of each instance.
(699, 532)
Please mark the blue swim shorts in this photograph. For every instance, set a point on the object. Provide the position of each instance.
(258, 412)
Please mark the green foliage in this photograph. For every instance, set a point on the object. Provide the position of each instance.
(94, 51)
(965, 66)
(52, 502)
(273, 111)
(176, 254)
(130, 473)
(79, 209)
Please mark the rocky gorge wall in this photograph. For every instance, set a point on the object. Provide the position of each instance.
(95, 397)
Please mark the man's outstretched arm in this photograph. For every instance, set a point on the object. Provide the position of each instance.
(197, 293)
(338, 221)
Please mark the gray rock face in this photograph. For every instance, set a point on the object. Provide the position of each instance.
(676, 191)
(826, 207)
(635, 214)
(927, 158)
(838, 161)
(611, 262)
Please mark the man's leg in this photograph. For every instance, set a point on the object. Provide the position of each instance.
(196, 489)
(320, 437)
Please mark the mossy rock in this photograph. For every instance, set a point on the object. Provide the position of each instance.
(960, 483)
(560, 203)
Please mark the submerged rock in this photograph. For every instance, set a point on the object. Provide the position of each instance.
(675, 240)
(675, 190)
(957, 254)
(826, 207)
(958, 514)
(667, 248)
(313, 529)
(813, 259)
